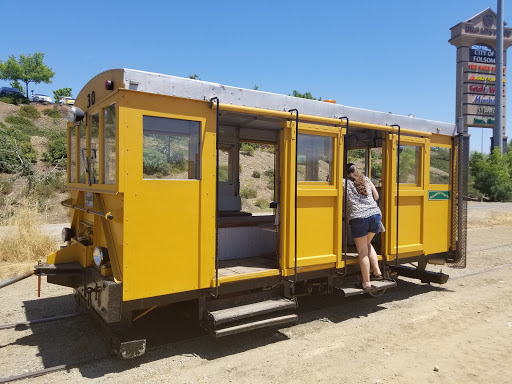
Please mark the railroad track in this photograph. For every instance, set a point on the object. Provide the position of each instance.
(68, 367)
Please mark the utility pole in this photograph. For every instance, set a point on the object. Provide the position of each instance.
(497, 140)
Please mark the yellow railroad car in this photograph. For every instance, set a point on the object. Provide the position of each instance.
(159, 215)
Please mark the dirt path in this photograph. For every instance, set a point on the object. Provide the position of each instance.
(463, 328)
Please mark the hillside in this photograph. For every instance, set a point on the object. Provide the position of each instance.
(31, 137)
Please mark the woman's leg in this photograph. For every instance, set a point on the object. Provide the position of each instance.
(364, 261)
(374, 262)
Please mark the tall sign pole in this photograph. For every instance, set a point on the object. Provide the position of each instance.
(497, 133)
(482, 42)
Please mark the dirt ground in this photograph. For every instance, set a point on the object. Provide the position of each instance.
(460, 332)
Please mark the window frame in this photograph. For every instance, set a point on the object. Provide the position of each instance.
(450, 165)
(200, 126)
(332, 132)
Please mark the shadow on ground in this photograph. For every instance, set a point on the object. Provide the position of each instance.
(77, 342)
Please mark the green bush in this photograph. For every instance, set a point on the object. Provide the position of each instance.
(29, 111)
(269, 173)
(248, 193)
(13, 146)
(270, 184)
(57, 151)
(23, 125)
(492, 174)
(15, 99)
(256, 174)
(246, 149)
(262, 203)
(155, 162)
(52, 113)
(19, 120)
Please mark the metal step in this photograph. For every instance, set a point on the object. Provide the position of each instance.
(227, 315)
(350, 290)
(424, 276)
(281, 320)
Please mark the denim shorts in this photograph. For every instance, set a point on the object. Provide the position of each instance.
(361, 227)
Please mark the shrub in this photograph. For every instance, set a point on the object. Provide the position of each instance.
(262, 203)
(246, 149)
(52, 113)
(270, 184)
(248, 193)
(57, 151)
(492, 174)
(29, 111)
(15, 99)
(256, 175)
(23, 125)
(26, 242)
(154, 162)
(269, 173)
(18, 120)
(12, 144)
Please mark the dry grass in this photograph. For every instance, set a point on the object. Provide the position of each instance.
(22, 240)
(489, 219)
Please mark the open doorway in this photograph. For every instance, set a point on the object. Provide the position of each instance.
(365, 151)
(248, 214)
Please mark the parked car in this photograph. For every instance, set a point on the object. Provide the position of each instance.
(42, 98)
(66, 100)
(8, 91)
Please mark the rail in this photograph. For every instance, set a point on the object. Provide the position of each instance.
(107, 215)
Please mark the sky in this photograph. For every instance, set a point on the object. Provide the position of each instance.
(390, 56)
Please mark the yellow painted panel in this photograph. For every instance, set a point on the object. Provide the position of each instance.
(315, 260)
(169, 225)
(437, 225)
(316, 226)
(245, 276)
(410, 220)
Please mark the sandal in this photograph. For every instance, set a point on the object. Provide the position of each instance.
(376, 278)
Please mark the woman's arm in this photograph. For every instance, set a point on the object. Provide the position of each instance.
(374, 191)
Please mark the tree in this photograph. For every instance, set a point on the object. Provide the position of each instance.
(16, 84)
(306, 95)
(28, 69)
(194, 77)
(493, 174)
(63, 92)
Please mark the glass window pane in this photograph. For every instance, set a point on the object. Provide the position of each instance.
(171, 148)
(314, 158)
(409, 163)
(225, 165)
(376, 166)
(82, 132)
(94, 147)
(109, 145)
(358, 157)
(439, 165)
(72, 154)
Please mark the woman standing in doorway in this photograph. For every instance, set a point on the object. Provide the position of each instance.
(364, 217)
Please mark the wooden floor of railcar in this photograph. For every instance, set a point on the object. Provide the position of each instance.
(247, 265)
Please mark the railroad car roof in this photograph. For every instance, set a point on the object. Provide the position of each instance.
(203, 90)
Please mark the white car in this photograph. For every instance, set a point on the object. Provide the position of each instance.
(66, 100)
(42, 98)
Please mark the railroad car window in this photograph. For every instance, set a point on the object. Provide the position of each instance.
(109, 145)
(72, 154)
(439, 165)
(409, 164)
(358, 157)
(225, 165)
(171, 148)
(314, 158)
(376, 166)
(94, 147)
(82, 166)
